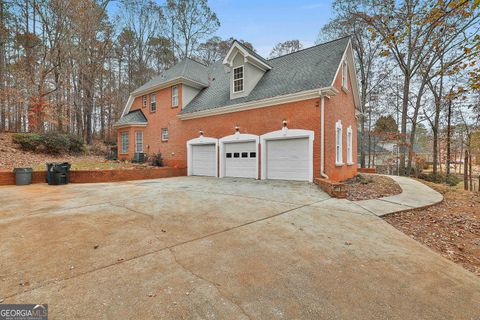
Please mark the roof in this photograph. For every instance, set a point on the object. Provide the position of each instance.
(187, 68)
(133, 117)
(253, 53)
(310, 68)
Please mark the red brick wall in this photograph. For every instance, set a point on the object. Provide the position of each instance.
(341, 107)
(93, 176)
(299, 115)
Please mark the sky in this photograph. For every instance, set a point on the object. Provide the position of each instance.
(264, 23)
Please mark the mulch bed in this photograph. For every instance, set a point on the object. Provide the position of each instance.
(369, 186)
(452, 228)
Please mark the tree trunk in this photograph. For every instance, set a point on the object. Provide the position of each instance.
(449, 119)
(465, 171)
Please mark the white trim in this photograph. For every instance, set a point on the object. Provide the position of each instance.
(293, 97)
(348, 55)
(129, 124)
(201, 141)
(339, 144)
(242, 78)
(345, 75)
(322, 138)
(161, 134)
(122, 134)
(175, 104)
(349, 146)
(228, 60)
(136, 141)
(234, 138)
(283, 134)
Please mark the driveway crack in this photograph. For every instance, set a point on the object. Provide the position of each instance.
(214, 284)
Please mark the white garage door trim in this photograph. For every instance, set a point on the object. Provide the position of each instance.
(200, 141)
(283, 134)
(235, 138)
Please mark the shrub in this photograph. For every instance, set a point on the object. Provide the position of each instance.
(75, 144)
(55, 143)
(440, 177)
(156, 160)
(28, 141)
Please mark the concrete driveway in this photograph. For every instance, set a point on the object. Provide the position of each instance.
(205, 248)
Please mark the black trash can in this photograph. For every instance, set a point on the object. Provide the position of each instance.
(58, 173)
(23, 176)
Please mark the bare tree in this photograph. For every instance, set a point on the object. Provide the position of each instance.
(283, 48)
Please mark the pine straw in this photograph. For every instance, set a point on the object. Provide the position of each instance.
(370, 186)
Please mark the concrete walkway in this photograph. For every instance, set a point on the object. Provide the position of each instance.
(414, 195)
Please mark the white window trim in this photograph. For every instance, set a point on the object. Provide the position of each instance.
(136, 142)
(349, 146)
(242, 78)
(286, 133)
(123, 149)
(175, 97)
(163, 139)
(153, 101)
(339, 144)
(345, 74)
(237, 137)
(200, 141)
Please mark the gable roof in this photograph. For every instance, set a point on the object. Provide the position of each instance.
(136, 117)
(307, 69)
(186, 69)
(248, 54)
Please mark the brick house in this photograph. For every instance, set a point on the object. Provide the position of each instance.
(291, 117)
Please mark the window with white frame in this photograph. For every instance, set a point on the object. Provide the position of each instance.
(175, 96)
(164, 134)
(124, 139)
(238, 79)
(338, 143)
(344, 74)
(144, 101)
(139, 142)
(349, 145)
(153, 102)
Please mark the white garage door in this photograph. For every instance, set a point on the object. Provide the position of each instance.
(241, 159)
(287, 159)
(204, 160)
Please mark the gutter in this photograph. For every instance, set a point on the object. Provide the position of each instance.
(322, 137)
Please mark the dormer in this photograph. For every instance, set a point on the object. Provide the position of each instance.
(245, 67)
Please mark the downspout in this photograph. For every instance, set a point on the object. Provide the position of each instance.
(322, 137)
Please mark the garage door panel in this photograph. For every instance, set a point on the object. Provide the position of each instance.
(243, 166)
(204, 160)
(288, 159)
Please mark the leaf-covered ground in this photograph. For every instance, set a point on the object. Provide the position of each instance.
(12, 157)
(452, 228)
(367, 186)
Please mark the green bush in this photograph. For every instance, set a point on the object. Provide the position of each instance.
(28, 141)
(440, 177)
(52, 143)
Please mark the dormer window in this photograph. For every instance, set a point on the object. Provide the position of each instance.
(238, 79)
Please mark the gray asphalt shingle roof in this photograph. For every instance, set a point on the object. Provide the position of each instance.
(188, 68)
(310, 68)
(133, 117)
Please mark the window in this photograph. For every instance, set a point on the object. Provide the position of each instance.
(153, 102)
(124, 142)
(144, 101)
(236, 155)
(244, 154)
(164, 134)
(175, 96)
(253, 154)
(139, 142)
(229, 155)
(344, 74)
(238, 79)
(349, 145)
(338, 139)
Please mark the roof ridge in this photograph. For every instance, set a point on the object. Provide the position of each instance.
(314, 46)
(200, 63)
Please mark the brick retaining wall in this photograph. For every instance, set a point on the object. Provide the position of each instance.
(93, 176)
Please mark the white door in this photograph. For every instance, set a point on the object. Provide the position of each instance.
(287, 159)
(204, 160)
(241, 159)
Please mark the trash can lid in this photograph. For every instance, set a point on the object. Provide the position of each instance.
(22, 170)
